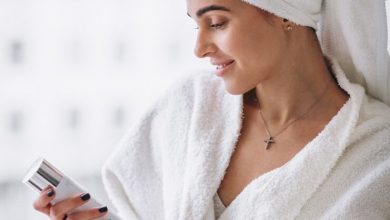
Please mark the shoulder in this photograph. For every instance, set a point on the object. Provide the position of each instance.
(189, 90)
(372, 130)
(374, 117)
(185, 93)
(192, 84)
(364, 168)
(370, 141)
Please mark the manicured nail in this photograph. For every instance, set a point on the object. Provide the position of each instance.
(50, 193)
(85, 197)
(103, 209)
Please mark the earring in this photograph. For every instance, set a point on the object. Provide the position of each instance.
(289, 28)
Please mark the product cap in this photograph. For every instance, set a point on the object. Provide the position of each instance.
(42, 174)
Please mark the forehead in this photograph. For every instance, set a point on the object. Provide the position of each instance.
(194, 6)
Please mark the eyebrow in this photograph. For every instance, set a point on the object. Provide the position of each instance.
(206, 9)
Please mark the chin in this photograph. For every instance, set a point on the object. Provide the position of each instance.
(234, 90)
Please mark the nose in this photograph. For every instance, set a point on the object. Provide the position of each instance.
(204, 45)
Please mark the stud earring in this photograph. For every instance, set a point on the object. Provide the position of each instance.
(289, 28)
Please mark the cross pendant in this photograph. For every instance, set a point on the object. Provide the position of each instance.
(268, 142)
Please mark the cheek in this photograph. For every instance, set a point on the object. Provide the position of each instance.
(227, 43)
(255, 58)
(259, 54)
(258, 42)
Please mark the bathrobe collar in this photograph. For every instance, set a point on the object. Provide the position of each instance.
(211, 144)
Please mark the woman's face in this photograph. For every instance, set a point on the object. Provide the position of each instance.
(249, 41)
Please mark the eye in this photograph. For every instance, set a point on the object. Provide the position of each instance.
(217, 25)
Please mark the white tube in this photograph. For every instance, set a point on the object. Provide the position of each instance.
(43, 174)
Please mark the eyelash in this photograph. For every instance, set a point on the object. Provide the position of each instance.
(215, 26)
(218, 25)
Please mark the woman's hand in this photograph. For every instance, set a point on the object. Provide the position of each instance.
(59, 210)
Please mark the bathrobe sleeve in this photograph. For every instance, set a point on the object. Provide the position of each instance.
(155, 145)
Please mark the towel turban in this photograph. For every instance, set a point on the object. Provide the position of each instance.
(354, 32)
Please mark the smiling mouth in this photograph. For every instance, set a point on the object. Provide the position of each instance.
(224, 65)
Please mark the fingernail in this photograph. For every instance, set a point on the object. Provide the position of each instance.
(50, 193)
(103, 209)
(85, 197)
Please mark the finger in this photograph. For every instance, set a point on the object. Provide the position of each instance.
(88, 214)
(42, 204)
(61, 208)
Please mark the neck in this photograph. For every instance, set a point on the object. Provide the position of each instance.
(292, 91)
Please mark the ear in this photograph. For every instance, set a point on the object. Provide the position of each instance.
(287, 25)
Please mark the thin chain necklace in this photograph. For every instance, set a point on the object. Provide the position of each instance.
(271, 138)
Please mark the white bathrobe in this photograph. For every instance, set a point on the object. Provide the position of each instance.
(173, 160)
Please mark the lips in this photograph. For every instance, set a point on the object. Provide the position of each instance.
(222, 67)
(222, 64)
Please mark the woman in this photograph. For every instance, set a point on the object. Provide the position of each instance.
(281, 133)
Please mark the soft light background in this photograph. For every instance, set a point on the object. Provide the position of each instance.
(74, 76)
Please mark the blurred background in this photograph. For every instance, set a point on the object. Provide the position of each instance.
(74, 76)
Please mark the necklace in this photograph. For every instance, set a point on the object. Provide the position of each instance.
(271, 138)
